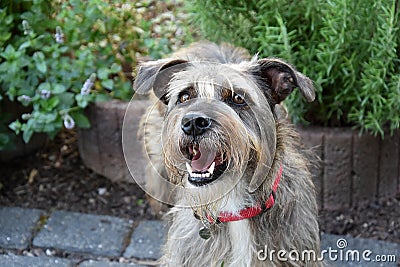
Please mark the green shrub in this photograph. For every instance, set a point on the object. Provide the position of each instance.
(349, 48)
(56, 57)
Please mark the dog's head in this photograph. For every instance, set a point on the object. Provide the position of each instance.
(220, 120)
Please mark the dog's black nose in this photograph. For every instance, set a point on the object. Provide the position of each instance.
(195, 124)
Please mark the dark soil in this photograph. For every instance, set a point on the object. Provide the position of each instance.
(377, 220)
(55, 178)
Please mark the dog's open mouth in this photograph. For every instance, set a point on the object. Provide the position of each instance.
(206, 165)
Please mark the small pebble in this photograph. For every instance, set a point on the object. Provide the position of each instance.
(101, 191)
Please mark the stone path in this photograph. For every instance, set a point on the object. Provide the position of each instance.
(63, 238)
(36, 238)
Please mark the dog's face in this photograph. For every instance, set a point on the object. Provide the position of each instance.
(219, 122)
(212, 125)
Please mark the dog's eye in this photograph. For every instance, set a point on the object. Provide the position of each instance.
(183, 97)
(238, 100)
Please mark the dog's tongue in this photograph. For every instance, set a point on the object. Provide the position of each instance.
(203, 159)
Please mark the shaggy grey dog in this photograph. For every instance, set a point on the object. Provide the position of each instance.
(222, 154)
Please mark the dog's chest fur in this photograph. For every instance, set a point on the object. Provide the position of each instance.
(230, 244)
(240, 234)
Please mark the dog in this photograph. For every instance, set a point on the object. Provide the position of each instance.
(225, 157)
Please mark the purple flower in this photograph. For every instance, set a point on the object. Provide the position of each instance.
(69, 122)
(24, 99)
(45, 94)
(26, 27)
(26, 116)
(59, 35)
(85, 90)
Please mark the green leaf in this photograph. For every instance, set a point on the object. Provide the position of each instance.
(9, 53)
(27, 135)
(58, 88)
(5, 36)
(51, 103)
(38, 55)
(82, 100)
(115, 68)
(25, 45)
(66, 100)
(41, 66)
(81, 120)
(102, 98)
(109, 84)
(15, 126)
(49, 127)
(103, 73)
(44, 86)
(40, 63)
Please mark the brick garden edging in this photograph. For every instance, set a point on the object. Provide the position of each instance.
(100, 146)
(354, 168)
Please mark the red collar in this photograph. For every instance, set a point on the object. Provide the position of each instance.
(250, 212)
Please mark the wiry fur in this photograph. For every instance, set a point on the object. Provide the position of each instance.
(290, 224)
(254, 142)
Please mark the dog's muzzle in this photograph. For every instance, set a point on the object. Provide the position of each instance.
(206, 164)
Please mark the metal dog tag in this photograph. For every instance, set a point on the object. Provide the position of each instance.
(205, 233)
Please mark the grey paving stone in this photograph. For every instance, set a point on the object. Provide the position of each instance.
(25, 261)
(16, 226)
(92, 263)
(147, 240)
(84, 233)
(348, 245)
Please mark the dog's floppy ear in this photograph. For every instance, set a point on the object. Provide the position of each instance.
(282, 79)
(155, 75)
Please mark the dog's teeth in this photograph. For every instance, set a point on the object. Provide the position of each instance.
(212, 167)
(200, 175)
(189, 168)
